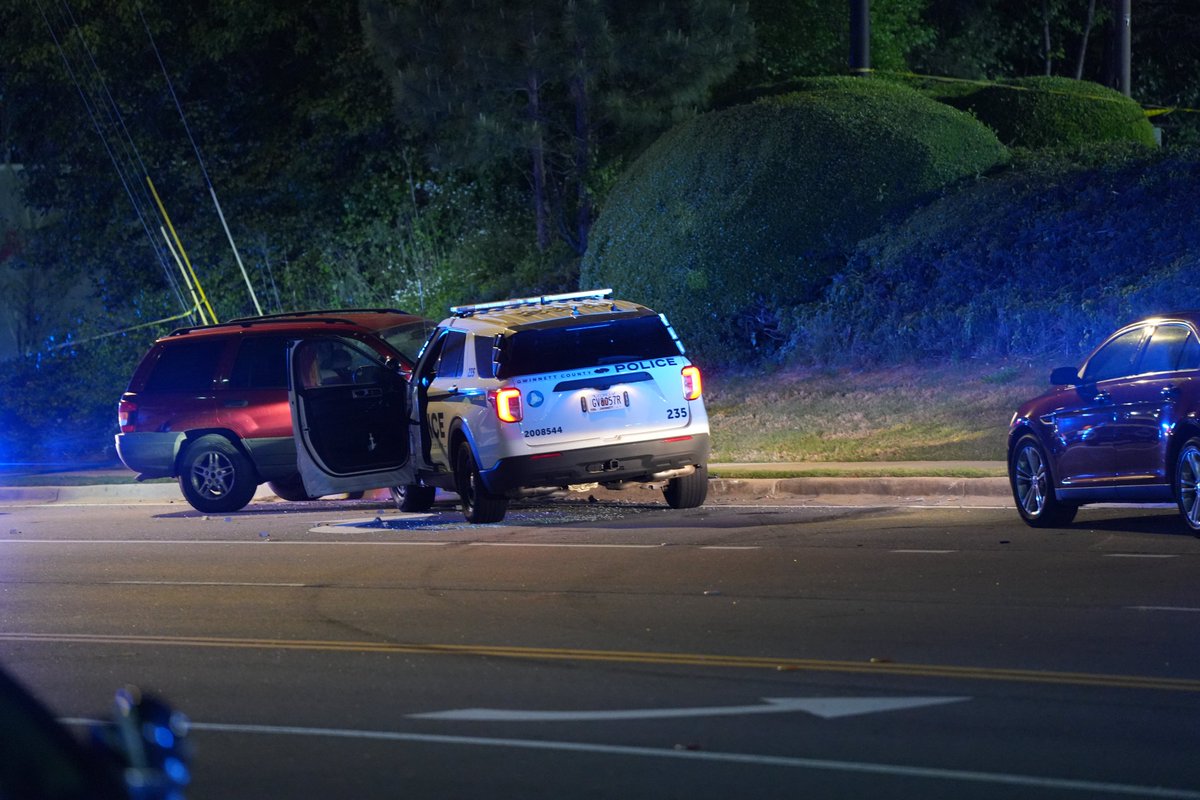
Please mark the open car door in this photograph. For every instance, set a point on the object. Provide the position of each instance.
(349, 417)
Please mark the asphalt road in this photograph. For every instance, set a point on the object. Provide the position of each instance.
(601, 650)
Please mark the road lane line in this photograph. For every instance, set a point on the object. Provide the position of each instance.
(207, 583)
(256, 542)
(928, 552)
(729, 547)
(750, 759)
(1140, 555)
(1163, 608)
(586, 545)
(1111, 681)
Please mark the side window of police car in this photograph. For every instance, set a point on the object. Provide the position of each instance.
(450, 365)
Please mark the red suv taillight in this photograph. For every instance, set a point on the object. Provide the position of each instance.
(127, 416)
(691, 383)
(507, 403)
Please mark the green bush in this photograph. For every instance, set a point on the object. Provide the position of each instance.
(1040, 262)
(1043, 112)
(61, 405)
(737, 215)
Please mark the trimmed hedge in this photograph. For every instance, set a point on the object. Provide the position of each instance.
(737, 215)
(1043, 112)
(1041, 262)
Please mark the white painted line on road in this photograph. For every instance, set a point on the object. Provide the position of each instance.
(257, 542)
(824, 707)
(207, 583)
(568, 544)
(927, 552)
(1140, 555)
(829, 765)
(1184, 609)
(729, 547)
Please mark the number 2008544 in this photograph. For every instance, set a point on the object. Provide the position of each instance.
(529, 434)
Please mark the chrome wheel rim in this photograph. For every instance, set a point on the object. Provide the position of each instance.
(1030, 479)
(1189, 497)
(212, 475)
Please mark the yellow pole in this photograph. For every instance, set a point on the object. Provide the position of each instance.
(183, 252)
(183, 271)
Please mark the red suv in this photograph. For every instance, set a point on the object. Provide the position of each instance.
(209, 405)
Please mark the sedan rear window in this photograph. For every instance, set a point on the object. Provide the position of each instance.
(1166, 348)
(585, 345)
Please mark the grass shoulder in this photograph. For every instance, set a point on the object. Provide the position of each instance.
(804, 417)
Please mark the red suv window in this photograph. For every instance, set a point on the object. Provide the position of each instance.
(185, 367)
(261, 363)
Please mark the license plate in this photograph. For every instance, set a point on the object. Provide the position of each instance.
(604, 401)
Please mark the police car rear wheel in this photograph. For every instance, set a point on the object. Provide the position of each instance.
(478, 504)
(688, 491)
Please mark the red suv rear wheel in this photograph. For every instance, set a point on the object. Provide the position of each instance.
(215, 477)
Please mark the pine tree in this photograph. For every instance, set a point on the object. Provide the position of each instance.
(548, 84)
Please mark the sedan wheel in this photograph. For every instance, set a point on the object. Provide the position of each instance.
(1033, 487)
(1187, 477)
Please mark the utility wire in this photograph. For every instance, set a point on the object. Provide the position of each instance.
(91, 112)
(212, 190)
(116, 120)
(132, 153)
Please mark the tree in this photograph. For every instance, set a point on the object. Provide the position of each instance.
(549, 85)
(801, 38)
(285, 104)
(996, 39)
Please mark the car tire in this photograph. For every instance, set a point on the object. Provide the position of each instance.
(290, 488)
(215, 477)
(1033, 486)
(1187, 483)
(688, 491)
(478, 504)
(413, 497)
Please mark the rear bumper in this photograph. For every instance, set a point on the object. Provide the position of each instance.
(151, 455)
(605, 464)
(154, 455)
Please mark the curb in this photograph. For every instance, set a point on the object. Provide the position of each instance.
(838, 491)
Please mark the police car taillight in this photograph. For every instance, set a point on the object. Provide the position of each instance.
(691, 383)
(127, 416)
(507, 403)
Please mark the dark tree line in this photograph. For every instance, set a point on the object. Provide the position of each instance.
(425, 151)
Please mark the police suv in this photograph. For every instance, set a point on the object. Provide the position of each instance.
(537, 394)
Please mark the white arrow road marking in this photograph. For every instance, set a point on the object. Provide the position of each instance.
(824, 707)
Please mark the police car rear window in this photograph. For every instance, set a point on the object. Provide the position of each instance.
(558, 349)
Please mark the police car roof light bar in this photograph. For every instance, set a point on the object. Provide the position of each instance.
(545, 299)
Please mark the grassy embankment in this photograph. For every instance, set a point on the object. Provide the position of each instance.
(958, 412)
